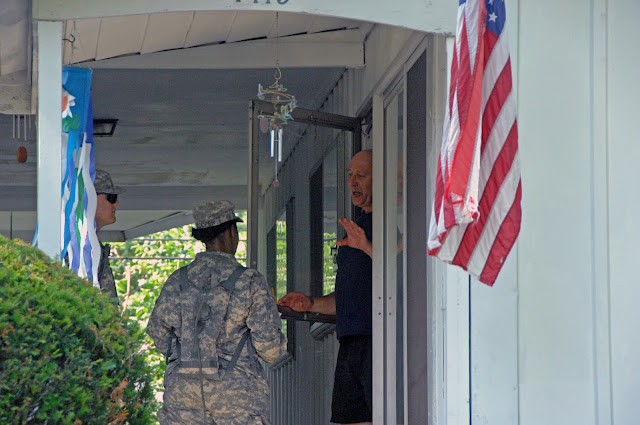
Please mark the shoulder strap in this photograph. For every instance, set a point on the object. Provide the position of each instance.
(230, 283)
(184, 279)
(236, 353)
(246, 337)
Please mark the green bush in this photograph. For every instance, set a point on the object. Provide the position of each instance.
(66, 354)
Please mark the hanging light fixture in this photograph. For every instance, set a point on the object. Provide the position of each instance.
(283, 104)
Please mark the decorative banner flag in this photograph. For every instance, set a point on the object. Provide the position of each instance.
(476, 210)
(79, 199)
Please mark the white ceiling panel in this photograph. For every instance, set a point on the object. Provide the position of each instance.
(14, 33)
(250, 25)
(166, 31)
(81, 40)
(209, 27)
(121, 35)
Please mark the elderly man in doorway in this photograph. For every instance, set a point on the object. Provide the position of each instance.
(107, 194)
(351, 303)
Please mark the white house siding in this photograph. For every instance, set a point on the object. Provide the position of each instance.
(623, 69)
(555, 277)
(578, 67)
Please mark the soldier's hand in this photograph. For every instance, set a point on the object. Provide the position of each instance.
(296, 301)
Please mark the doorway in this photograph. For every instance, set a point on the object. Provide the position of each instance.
(301, 210)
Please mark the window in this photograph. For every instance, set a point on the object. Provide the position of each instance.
(329, 221)
(279, 256)
(324, 224)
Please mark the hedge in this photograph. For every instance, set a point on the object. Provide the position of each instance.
(66, 354)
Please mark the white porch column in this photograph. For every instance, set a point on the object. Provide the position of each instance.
(49, 54)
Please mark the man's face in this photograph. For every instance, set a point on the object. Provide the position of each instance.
(361, 181)
(105, 211)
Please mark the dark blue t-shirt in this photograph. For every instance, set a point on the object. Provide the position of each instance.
(354, 287)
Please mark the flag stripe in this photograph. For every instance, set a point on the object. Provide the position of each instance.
(499, 209)
(510, 228)
(463, 156)
(489, 155)
(496, 61)
(463, 77)
(501, 168)
(468, 81)
(506, 119)
(495, 108)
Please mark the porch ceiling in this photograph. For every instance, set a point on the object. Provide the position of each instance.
(179, 84)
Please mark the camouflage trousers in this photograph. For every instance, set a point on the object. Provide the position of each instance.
(176, 416)
(227, 404)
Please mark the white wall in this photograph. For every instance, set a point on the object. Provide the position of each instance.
(555, 246)
(623, 69)
(578, 350)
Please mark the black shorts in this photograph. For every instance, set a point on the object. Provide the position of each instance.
(353, 385)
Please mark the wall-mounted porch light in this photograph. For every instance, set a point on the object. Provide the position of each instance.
(104, 127)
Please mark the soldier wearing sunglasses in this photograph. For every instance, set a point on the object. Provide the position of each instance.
(106, 214)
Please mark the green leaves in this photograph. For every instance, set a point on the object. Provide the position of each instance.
(64, 348)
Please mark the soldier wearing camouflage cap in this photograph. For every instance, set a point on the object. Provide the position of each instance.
(107, 202)
(212, 321)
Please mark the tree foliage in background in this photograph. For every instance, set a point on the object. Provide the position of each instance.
(328, 264)
(66, 354)
(281, 259)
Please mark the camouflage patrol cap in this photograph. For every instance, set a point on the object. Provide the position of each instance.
(214, 213)
(104, 184)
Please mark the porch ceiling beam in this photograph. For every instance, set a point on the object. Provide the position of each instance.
(438, 16)
(259, 54)
(15, 99)
(138, 197)
(15, 93)
(169, 222)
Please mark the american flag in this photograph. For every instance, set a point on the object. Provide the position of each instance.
(476, 211)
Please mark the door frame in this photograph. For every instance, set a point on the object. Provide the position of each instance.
(384, 246)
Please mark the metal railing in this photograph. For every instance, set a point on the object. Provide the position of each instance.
(301, 388)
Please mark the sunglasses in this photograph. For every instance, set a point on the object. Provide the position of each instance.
(111, 197)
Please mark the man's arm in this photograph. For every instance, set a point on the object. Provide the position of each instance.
(301, 302)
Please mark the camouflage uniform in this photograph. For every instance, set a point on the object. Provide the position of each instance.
(104, 184)
(105, 275)
(242, 396)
